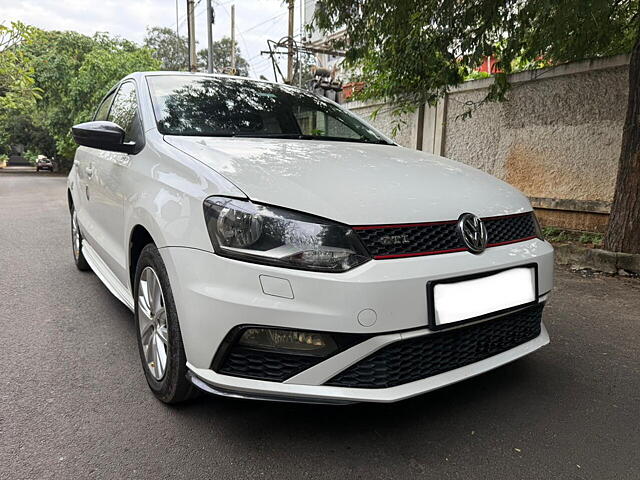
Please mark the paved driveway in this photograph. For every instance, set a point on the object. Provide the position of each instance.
(74, 403)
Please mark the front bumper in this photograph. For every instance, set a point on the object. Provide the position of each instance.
(214, 294)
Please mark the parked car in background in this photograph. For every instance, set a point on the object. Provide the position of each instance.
(273, 245)
(43, 163)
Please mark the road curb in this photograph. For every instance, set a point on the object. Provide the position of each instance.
(597, 259)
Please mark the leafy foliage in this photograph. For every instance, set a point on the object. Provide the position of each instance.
(413, 51)
(21, 129)
(222, 58)
(17, 86)
(167, 47)
(70, 73)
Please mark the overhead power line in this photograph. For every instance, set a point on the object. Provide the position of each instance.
(265, 21)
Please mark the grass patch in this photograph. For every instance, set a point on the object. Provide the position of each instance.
(558, 235)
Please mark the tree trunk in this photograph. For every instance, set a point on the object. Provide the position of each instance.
(623, 233)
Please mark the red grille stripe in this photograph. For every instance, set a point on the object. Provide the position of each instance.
(511, 241)
(405, 225)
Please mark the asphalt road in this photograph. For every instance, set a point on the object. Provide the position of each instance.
(74, 403)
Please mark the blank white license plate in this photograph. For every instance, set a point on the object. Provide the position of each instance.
(467, 299)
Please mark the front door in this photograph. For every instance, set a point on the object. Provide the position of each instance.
(84, 163)
(106, 204)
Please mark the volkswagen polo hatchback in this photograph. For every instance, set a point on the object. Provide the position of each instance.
(273, 245)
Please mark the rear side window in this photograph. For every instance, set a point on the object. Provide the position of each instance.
(124, 110)
(103, 109)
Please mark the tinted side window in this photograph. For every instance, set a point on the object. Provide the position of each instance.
(124, 110)
(103, 109)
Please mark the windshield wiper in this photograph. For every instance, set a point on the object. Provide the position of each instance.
(204, 134)
(269, 135)
(380, 141)
(301, 136)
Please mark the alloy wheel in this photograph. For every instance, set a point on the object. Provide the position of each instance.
(152, 321)
(75, 235)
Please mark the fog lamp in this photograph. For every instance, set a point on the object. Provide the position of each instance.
(288, 341)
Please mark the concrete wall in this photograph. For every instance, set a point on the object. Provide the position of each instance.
(556, 137)
(384, 120)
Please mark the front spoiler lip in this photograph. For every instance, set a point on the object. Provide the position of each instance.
(204, 386)
(237, 387)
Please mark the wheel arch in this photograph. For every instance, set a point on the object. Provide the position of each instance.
(138, 239)
(69, 199)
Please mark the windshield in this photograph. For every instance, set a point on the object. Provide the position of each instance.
(211, 106)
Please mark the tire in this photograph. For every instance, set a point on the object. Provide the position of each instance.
(76, 243)
(158, 331)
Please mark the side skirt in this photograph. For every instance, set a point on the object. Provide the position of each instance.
(106, 276)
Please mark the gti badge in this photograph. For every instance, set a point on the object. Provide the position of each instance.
(473, 232)
(395, 239)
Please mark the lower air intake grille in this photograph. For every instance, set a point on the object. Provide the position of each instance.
(263, 365)
(414, 359)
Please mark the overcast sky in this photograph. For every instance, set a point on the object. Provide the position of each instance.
(256, 20)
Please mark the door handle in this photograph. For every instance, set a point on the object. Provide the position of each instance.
(89, 171)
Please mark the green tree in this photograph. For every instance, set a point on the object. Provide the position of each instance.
(170, 49)
(107, 63)
(414, 51)
(56, 60)
(17, 86)
(222, 58)
(18, 92)
(24, 130)
(73, 72)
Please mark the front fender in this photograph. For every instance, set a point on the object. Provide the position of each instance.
(164, 193)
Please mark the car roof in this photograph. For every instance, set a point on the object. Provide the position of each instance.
(141, 75)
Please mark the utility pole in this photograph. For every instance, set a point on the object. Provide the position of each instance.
(210, 20)
(191, 27)
(177, 33)
(302, 7)
(290, 45)
(233, 39)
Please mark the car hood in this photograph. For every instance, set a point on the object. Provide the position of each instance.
(354, 183)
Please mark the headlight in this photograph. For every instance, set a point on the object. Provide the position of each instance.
(275, 236)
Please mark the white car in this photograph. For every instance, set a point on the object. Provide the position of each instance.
(273, 245)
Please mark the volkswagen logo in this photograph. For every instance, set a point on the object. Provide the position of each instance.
(473, 232)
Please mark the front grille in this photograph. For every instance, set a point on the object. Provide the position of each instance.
(265, 365)
(392, 241)
(508, 229)
(414, 359)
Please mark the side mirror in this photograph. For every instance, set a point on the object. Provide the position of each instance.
(103, 135)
